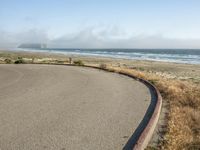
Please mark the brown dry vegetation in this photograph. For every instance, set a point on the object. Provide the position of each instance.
(183, 120)
(184, 114)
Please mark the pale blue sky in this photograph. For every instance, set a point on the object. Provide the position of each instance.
(110, 20)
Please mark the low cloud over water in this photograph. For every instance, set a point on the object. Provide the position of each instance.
(91, 37)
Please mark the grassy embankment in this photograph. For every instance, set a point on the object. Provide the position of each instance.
(182, 129)
(183, 119)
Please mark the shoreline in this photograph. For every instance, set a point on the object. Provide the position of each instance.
(54, 52)
(106, 58)
(165, 69)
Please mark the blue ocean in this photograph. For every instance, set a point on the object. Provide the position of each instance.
(189, 56)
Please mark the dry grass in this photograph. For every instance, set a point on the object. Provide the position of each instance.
(183, 124)
(184, 114)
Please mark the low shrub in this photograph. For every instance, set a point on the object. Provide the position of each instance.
(103, 66)
(8, 61)
(78, 63)
(19, 60)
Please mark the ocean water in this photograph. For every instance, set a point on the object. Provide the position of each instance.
(189, 56)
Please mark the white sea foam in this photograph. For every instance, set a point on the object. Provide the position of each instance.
(178, 56)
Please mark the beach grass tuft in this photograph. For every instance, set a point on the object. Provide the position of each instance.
(103, 66)
(78, 63)
(19, 61)
(8, 61)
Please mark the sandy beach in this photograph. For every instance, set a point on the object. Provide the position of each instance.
(189, 72)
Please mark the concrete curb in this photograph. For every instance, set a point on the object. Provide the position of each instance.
(147, 133)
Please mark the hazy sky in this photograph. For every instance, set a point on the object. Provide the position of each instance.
(101, 23)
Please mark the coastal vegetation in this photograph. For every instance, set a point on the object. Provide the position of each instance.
(19, 60)
(182, 129)
(103, 66)
(78, 63)
(8, 61)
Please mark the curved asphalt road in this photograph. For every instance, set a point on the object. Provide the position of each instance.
(64, 107)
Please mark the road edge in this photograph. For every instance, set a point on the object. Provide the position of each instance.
(147, 133)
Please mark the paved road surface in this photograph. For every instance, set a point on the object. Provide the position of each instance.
(64, 107)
